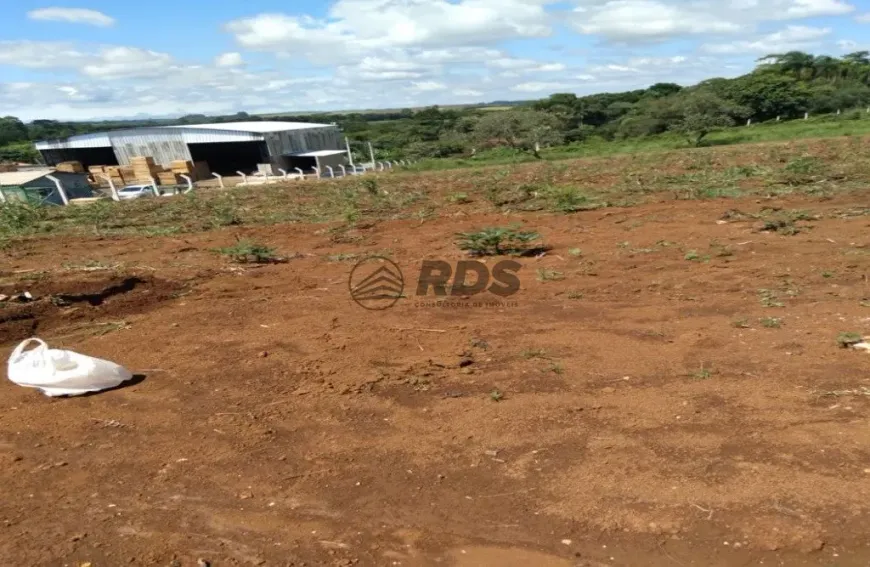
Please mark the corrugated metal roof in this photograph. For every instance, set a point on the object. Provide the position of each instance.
(99, 140)
(22, 177)
(257, 127)
(192, 133)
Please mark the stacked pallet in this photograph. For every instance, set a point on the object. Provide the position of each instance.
(114, 172)
(128, 174)
(144, 169)
(197, 171)
(168, 178)
(70, 167)
(181, 167)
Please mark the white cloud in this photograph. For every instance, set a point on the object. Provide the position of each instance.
(524, 65)
(659, 20)
(233, 59)
(40, 54)
(792, 38)
(539, 87)
(423, 86)
(863, 18)
(812, 8)
(647, 19)
(73, 16)
(847, 45)
(360, 26)
(128, 62)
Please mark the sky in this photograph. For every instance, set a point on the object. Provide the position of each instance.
(106, 59)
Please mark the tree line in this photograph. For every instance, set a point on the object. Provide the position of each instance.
(783, 86)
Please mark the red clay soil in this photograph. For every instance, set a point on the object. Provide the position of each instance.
(652, 407)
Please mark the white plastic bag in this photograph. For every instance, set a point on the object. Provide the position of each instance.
(62, 372)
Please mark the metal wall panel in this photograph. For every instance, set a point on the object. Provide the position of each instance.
(163, 144)
(296, 141)
(207, 136)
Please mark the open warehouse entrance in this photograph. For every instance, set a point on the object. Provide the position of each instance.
(226, 158)
(87, 156)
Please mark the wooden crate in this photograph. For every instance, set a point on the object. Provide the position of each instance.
(70, 167)
(181, 166)
(169, 178)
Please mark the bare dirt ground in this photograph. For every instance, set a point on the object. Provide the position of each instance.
(674, 395)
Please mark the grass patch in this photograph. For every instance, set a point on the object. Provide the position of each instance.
(769, 298)
(555, 368)
(345, 257)
(497, 241)
(569, 200)
(861, 391)
(549, 275)
(247, 252)
(847, 339)
(531, 353)
(771, 322)
(693, 256)
(702, 373)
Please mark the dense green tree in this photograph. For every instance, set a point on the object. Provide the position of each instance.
(697, 112)
(767, 95)
(518, 129)
(12, 130)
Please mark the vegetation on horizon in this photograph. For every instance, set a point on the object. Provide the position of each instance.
(665, 116)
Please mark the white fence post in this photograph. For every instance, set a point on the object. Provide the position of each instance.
(317, 171)
(330, 170)
(806, 115)
(343, 170)
(112, 188)
(244, 178)
(283, 173)
(2, 196)
(60, 189)
(349, 153)
(220, 179)
(189, 183)
(301, 173)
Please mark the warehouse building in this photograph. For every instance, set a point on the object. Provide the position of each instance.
(226, 147)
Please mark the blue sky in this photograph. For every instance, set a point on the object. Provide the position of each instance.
(90, 59)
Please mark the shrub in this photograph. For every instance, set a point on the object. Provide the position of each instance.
(495, 241)
(247, 252)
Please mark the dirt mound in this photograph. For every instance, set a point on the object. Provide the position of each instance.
(57, 304)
